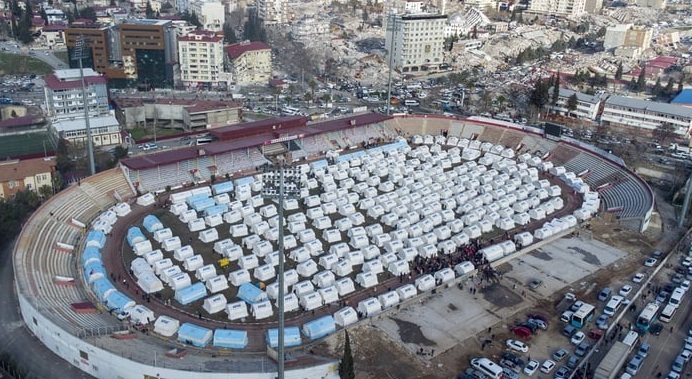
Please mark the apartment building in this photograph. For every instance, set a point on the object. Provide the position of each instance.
(627, 36)
(558, 8)
(273, 12)
(211, 14)
(309, 30)
(417, 41)
(63, 93)
(645, 116)
(31, 174)
(249, 62)
(200, 58)
(587, 105)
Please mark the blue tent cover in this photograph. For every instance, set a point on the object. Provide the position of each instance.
(202, 204)
(234, 339)
(152, 223)
(92, 269)
(118, 301)
(319, 164)
(291, 336)
(89, 253)
(101, 286)
(216, 209)
(194, 335)
(192, 198)
(96, 236)
(320, 327)
(244, 180)
(223, 187)
(134, 235)
(250, 294)
(191, 293)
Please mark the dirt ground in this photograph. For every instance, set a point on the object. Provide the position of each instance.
(377, 356)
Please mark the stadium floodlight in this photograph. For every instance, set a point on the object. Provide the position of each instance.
(281, 183)
(79, 54)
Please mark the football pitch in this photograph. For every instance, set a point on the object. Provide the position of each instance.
(16, 145)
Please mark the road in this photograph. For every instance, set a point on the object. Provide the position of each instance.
(44, 55)
(27, 351)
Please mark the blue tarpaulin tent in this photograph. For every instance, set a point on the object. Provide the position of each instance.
(319, 164)
(96, 238)
(319, 328)
(202, 204)
(348, 157)
(134, 235)
(191, 293)
(194, 335)
(93, 271)
(119, 302)
(250, 294)
(216, 210)
(291, 336)
(91, 254)
(234, 339)
(191, 199)
(103, 288)
(244, 180)
(152, 223)
(224, 187)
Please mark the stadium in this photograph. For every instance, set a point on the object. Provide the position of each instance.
(382, 195)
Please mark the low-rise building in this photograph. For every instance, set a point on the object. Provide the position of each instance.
(646, 116)
(31, 174)
(190, 114)
(249, 62)
(587, 105)
(105, 130)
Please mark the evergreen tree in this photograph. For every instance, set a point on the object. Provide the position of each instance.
(44, 16)
(681, 81)
(539, 96)
(572, 103)
(641, 80)
(346, 367)
(556, 88)
(149, 11)
(633, 85)
(229, 34)
(670, 86)
(28, 10)
(618, 72)
(658, 88)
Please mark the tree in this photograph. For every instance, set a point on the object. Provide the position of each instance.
(658, 88)
(618, 72)
(44, 16)
(681, 81)
(366, 15)
(346, 366)
(253, 30)
(228, 33)
(572, 103)
(556, 89)
(641, 80)
(664, 132)
(149, 11)
(670, 86)
(539, 97)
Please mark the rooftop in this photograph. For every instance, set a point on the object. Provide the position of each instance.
(653, 106)
(78, 123)
(66, 79)
(20, 169)
(237, 49)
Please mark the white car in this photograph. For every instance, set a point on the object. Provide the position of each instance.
(685, 285)
(531, 367)
(650, 262)
(578, 338)
(517, 345)
(638, 277)
(547, 366)
(625, 290)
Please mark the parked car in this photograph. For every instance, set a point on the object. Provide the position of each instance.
(531, 367)
(568, 331)
(509, 374)
(538, 316)
(559, 355)
(581, 350)
(662, 296)
(638, 277)
(522, 332)
(602, 322)
(517, 345)
(650, 262)
(539, 323)
(513, 358)
(535, 283)
(656, 328)
(643, 350)
(625, 290)
(577, 304)
(572, 361)
(529, 325)
(578, 338)
(561, 373)
(604, 294)
(547, 366)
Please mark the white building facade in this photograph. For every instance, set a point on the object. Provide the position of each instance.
(63, 93)
(587, 105)
(211, 14)
(273, 12)
(558, 8)
(648, 115)
(200, 55)
(416, 41)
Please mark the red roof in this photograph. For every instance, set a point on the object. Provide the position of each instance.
(237, 49)
(21, 121)
(55, 27)
(54, 83)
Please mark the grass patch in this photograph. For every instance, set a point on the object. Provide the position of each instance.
(25, 144)
(14, 64)
(62, 55)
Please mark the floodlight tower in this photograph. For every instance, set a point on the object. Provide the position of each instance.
(280, 183)
(79, 53)
(392, 29)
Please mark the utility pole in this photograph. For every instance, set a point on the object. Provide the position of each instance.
(392, 29)
(79, 53)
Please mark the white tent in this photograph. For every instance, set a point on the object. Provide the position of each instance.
(464, 268)
(345, 286)
(265, 272)
(343, 268)
(324, 279)
(219, 246)
(205, 272)
(310, 301)
(369, 307)
(314, 247)
(425, 283)
(215, 303)
(162, 234)
(180, 281)
(170, 244)
(492, 253)
(355, 258)
(328, 260)
(398, 268)
(166, 326)
(146, 199)
(187, 216)
(232, 216)
(343, 224)
(239, 230)
(193, 263)
(328, 294)
(374, 266)
(196, 225)
(248, 262)
(262, 310)
(443, 276)
(340, 249)
(153, 256)
(239, 277)
(290, 302)
(508, 247)
(299, 255)
(182, 253)
(291, 277)
(303, 288)
(370, 252)
(331, 235)
(447, 247)
(521, 218)
(233, 253)
(406, 291)
(262, 248)
(543, 233)
(178, 208)
(122, 209)
(140, 314)
(143, 247)
(139, 266)
(209, 235)
(388, 299)
(345, 317)
(307, 268)
(217, 283)
(149, 283)
(366, 279)
(165, 269)
(236, 310)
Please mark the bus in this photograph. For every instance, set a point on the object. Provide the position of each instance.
(583, 315)
(203, 140)
(291, 111)
(668, 313)
(648, 316)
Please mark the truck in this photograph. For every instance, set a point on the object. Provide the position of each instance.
(610, 366)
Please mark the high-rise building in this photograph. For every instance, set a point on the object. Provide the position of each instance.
(418, 41)
(201, 58)
(63, 93)
(249, 62)
(95, 49)
(211, 14)
(558, 8)
(273, 12)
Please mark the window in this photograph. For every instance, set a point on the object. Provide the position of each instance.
(83, 355)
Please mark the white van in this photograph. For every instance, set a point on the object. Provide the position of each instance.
(676, 297)
(631, 338)
(613, 305)
(411, 103)
(488, 367)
